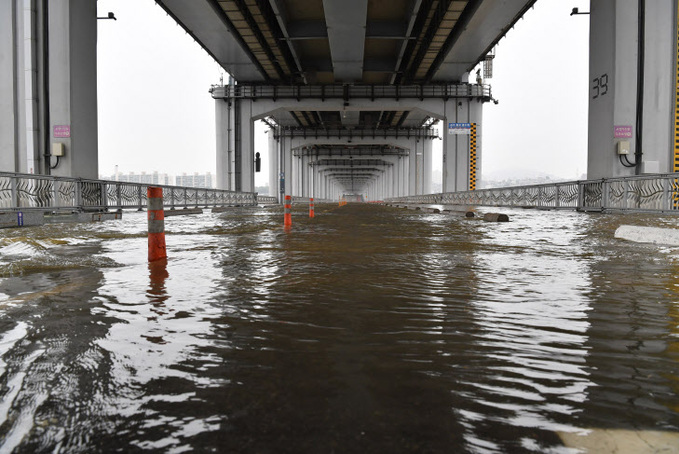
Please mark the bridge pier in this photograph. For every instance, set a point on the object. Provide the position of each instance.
(343, 123)
(633, 88)
(457, 145)
(48, 77)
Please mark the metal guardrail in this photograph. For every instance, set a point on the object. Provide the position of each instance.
(349, 91)
(42, 192)
(296, 199)
(648, 193)
(266, 199)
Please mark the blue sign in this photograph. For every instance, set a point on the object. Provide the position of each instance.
(20, 219)
(459, 125)
(459, 128)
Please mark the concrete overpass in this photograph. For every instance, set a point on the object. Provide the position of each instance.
(351, 78)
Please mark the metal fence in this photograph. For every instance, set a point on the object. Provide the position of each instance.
(41, 192)
(648, 193)
(348, 92)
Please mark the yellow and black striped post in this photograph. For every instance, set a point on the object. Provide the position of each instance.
(472, 157)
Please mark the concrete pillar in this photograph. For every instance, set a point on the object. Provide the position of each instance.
(287, 166)
(412, 170)
(245, 148)
(459, 164)
(392, 181)
(427, 168)
(224, 119)
(449, 148)
(9, 147)
(402, 176)
(305, 177)
(23, 108)
(273, 163)
(72, 32)
(616, 105)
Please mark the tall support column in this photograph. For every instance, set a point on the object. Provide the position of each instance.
(224, 120)
(412, 170)
(393, 190)
(287, 166)
(245, 147)
(475, 146)
(294, 176)
(403, 176)
(273, 162)
(461, 148)
(632, 95)
(72, 31)
(306, 178)
(449, 149)
(9, 115)
(427, 160)
(314, 182)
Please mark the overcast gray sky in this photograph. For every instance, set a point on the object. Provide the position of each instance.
(155, 112)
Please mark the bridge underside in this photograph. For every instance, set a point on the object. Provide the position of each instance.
(388, 69)
(355, 76)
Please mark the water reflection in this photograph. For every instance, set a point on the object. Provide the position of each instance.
(631, 337)
(366, 329)
(157, 293)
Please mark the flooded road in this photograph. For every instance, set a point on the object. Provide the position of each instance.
(365, 330)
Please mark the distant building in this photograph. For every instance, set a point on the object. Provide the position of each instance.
(196, 180)
(144, 178)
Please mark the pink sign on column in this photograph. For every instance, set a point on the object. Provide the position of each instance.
(622, 132)
(62, 131)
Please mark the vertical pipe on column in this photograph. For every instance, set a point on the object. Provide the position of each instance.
(156, 224)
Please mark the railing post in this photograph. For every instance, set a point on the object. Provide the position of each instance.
(14, 184)
(581, 196)
(119, 196)
(557, 202)
(666, 205)
(104, 195)
(55, 193)
(139, 197)
(79, 194)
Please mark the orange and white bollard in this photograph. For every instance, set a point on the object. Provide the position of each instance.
(156, 219)
(287, 216)
(311, 207)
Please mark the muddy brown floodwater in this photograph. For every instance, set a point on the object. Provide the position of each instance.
(368, 329)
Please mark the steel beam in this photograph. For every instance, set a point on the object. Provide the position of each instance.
(346, 22)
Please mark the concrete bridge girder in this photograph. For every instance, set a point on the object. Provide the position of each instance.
(235, 155)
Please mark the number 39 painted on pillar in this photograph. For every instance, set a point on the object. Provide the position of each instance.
(600, 86)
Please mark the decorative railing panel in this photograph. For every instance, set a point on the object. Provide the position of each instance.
(647, 193)
(39, 192)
